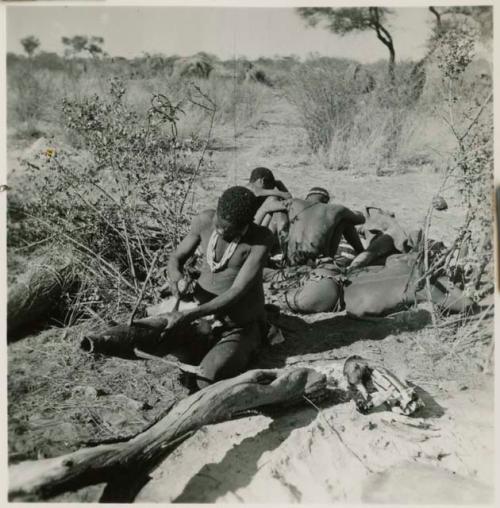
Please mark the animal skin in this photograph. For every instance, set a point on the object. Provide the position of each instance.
(375, 290)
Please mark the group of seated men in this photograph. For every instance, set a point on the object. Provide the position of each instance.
(235, 242)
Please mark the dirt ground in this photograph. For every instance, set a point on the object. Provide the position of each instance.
(60, 398)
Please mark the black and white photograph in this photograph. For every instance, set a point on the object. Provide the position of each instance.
(250, 252)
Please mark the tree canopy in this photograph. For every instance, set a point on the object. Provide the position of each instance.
(30, 44)
(351, 19)
(78, 44)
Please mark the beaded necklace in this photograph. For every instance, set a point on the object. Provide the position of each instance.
(215, 266)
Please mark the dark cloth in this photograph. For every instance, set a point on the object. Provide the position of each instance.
(233, 347)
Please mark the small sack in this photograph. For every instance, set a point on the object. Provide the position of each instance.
(376, 386)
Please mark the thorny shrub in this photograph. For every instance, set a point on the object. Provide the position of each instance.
(324, 101)
(30, 95)
(471, 167)
(351, 121)
(125, 204)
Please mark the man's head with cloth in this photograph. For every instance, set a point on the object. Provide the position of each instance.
(318, 194)
(235, 212)
(262, 178)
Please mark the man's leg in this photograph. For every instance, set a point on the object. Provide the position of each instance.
(352, 238)
(335, 235)
(346, 220)
(279, 227)
(231, 354)
(381, 246)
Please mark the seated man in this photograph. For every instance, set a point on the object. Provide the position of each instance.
(234, 251)
(316, 227)
(268, 190)
(271, 195)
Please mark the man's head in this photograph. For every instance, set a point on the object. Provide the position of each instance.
(235, 212)
(262, 178)
(318, 195)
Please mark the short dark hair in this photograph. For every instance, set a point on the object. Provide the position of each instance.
(264, 173)
(237, 205)
(319, 191)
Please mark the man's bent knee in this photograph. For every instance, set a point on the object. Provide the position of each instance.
(230, 356)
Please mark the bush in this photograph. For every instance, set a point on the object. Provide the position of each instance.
(466, 110)
(323, 101)
(348, 124)
(30, 94)
(124, 204)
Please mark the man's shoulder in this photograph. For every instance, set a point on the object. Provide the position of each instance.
(203, 220)
(298, 203)
(334, 208)
(260, 235)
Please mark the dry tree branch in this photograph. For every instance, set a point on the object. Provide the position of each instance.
(218, 402)
(108, 267)
(476, 118)
(129, 252)
(213, 110)
(473, 331)
(141, 294)
(426, 265)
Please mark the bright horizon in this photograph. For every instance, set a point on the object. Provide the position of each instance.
(224, 31)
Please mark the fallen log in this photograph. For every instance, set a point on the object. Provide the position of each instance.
(32, 480)
(37, 296)
(121, 339)
(146, 334)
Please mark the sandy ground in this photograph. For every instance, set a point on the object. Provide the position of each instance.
(322, 453)
(335, 453)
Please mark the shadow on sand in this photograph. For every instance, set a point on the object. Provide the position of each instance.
(328, 334)
(213, 480)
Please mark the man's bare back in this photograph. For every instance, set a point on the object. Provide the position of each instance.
(316, 228)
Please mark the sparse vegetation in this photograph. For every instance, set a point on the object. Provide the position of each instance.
(354, 126)
(468, 113)
(354, 19)
(126, 201)
(110, 157)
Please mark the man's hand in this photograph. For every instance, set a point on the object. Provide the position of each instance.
(175, 320)
(175, 282)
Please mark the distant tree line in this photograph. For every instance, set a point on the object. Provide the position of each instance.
(343, 21)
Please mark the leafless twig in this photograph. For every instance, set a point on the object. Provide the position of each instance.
(141, 294)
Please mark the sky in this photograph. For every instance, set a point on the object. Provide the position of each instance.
(225, 32)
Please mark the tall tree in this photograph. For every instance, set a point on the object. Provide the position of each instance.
(438, 18)
(354, 19)
(30, 44)
(78, 44)
(94, 46)
(74, 45)
(480, 15)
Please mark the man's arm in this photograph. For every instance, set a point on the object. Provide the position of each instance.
(353, 216)
(270, 206)
(380, 245)
(272, 192)
(182, 253)
(280, 186)
(243, 281)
